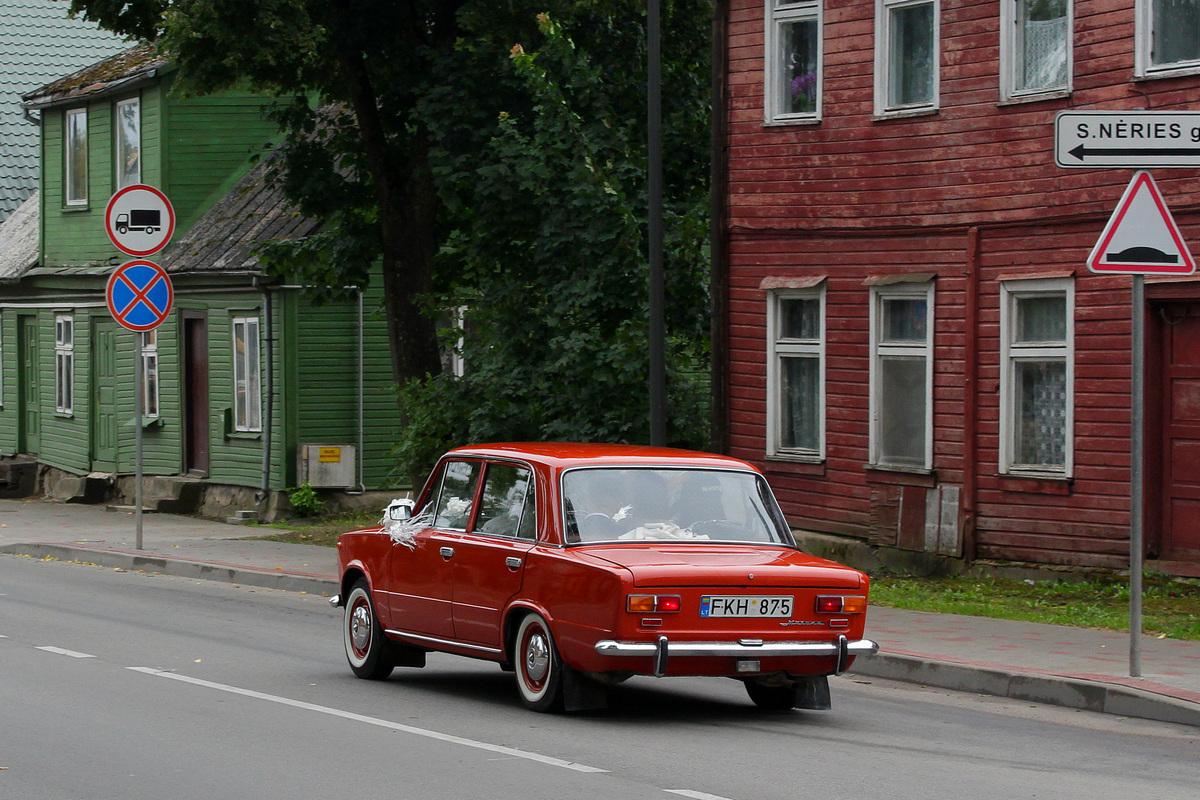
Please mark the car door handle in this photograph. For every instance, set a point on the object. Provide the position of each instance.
(447, 552)
(513, 562)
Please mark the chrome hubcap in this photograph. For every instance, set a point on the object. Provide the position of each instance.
(537, 657)
(360, 627)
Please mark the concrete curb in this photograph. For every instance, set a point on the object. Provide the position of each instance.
(1057, 690)
(204, 570)
(1048, 689)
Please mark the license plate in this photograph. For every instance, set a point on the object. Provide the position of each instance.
(745, 606)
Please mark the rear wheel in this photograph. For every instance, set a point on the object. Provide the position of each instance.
(367, 648)
(772, 697)
(538, 666)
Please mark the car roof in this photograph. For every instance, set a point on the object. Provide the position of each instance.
(564, 455)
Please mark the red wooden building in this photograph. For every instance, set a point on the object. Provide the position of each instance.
(912, 346)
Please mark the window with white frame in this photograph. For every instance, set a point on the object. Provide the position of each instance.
(1037, 377)
(796, 374)
(1168, 36)
(148, 341)
(906, 55)
(793, 60)
(64, 364)
(1035, 46)
(902, 375)
(247, 402)
(128, 149)
(75, 157)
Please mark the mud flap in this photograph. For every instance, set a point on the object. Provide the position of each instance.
(581, 693)
(812, 693)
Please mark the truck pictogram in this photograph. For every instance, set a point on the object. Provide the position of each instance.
(148, 220)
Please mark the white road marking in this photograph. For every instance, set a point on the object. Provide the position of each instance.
(62, 652)
(695, 795)
(382, 723)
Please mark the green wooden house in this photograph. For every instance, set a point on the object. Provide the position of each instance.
(249, 388)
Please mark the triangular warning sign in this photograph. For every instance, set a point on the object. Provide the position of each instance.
(1141, 237)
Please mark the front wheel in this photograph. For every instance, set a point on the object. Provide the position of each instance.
(538, 666)
(367, 648)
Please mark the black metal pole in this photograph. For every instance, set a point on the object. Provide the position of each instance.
(658, 335)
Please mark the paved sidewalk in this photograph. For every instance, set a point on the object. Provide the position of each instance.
(1071, 667)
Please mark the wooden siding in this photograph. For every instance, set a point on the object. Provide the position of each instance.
(327, 392)
(210, 141)
(970, 193)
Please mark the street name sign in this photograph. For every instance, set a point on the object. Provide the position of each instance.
(1131, 139)
(139, 220)
(1141, 237)
(139, 295)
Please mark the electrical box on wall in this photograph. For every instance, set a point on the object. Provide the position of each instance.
(327, 466)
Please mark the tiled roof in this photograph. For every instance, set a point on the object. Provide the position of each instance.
(19, 240)
(38, 43)
(224, 240)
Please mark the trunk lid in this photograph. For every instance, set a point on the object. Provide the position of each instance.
(727, 565)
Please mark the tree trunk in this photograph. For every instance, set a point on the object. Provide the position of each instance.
(408, 220)
(408, 211)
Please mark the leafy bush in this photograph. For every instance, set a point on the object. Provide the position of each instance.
(305, 502)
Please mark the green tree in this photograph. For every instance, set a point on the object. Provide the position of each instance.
(492, 155)
(547, 257)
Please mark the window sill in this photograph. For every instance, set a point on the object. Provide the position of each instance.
(1036, 484)
(248, 436)
(1021, 99)
(147, 422)
(909, 476)
(1159, 73)
(788, 123)
(784, 463)
(79, 209)
(906, 113)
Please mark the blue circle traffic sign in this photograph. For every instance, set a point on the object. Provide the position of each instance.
(139, 295)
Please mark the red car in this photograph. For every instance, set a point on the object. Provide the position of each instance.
(580, 565)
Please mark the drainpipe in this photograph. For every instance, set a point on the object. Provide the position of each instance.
(719, 263)
(269, 405)
(361, 368)
(971, 398)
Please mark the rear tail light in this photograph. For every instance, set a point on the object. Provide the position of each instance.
(839, 604)
(653, 603)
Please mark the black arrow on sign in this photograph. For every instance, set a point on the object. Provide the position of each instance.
(1081, 152)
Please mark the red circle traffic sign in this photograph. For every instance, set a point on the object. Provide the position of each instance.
(139, 220)
(139, 295)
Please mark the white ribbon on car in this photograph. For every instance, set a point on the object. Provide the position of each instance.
(404, 531)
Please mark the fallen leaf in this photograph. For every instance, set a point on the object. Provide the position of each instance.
(197, 661)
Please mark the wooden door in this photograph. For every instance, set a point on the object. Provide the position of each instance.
(104, 395)
(29, 393)
(1181, 432)
(196, 422)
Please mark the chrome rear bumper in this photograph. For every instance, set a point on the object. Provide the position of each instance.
(663, 648)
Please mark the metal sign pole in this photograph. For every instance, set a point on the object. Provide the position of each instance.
(137, 425)
(1137, 457)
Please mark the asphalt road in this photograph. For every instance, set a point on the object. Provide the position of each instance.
(126, 685)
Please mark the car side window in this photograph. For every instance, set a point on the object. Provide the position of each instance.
(457, 493)
(506, 507)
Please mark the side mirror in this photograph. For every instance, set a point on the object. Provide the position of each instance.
(400, 509)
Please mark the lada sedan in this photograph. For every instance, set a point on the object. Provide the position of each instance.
(580, 565)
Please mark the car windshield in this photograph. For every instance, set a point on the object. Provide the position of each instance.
(679, 505)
